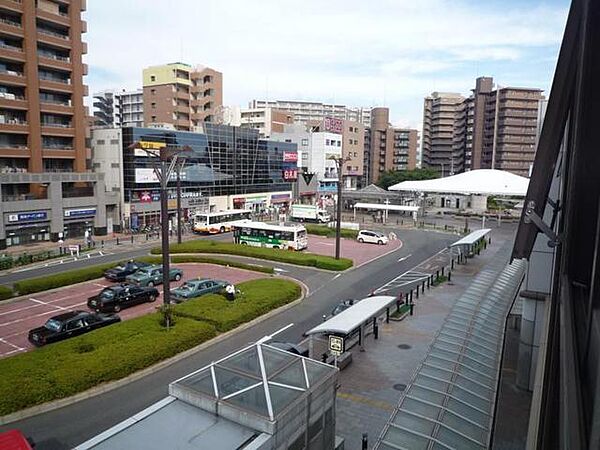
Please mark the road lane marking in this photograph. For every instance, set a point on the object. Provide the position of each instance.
(46, 303)
(337, 276)
(404, 258)
(11, 345)
(37, 315)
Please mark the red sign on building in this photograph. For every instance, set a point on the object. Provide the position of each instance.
(290, 157)
(333, 125)
(290, 174)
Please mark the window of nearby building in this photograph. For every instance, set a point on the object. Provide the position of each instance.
(153, 91)
(305, 142)
(100, 142)
(114, 141)
(326, 141)
(339, 143)
(152, 78)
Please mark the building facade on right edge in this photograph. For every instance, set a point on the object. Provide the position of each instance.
(390, 148)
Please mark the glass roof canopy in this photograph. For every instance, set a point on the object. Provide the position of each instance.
(259, 379)
(450, 401)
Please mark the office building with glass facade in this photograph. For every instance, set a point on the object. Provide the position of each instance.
(229, 168)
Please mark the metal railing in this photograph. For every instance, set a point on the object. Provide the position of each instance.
(53, 33)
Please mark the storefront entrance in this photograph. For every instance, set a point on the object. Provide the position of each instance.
(27, 235)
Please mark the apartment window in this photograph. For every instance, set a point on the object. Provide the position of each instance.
(355, 154)
(114, 142)
(348, 168)
(153, 91)
(152, 78)
(153, 118)
(153, 104)
(100, 142)
(339, 143)
(305, 142)
(326, 141)
(350, 141)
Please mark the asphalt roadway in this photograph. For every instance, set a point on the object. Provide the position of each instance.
(71, 425)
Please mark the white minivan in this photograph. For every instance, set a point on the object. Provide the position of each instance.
(372, 237)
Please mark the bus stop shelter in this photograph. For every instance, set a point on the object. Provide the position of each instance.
(466, 244)
(354, 319)
(386, 208)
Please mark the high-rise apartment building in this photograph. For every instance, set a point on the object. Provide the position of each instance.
(180, 95)
(391, 148)
(118, 108)
(315, 111)
(491, 129)
(265, 120)
(42, 116)
(441, 111)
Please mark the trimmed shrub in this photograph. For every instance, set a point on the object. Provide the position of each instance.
(257, 297)
(68, 367)
(208, 260)
(321, 230)
(61, 279)
(5, 292)
(272, 254)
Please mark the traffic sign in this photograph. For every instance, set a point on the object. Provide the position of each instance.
(336, 345)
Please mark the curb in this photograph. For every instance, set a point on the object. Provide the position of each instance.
(110, 386)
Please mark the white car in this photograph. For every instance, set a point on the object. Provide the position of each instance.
(372, 237)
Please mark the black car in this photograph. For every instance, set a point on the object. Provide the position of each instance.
(66, 325)
(120, 272)
(289, 347)
(115, 298)
(342, 306)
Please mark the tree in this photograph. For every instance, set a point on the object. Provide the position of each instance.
(391, 177)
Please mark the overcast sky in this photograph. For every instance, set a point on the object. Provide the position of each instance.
(359, 53)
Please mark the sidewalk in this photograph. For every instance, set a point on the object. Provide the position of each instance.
(372, 384)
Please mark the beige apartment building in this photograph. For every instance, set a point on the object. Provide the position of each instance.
(42, 116)
(265, 120)
(441, 111)
(391, 148)
(491, 129)
(182, 96)
(353, 147)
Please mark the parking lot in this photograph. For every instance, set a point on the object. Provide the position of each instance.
(350, 248)
(17, 318)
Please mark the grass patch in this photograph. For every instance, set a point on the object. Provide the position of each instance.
(257, 298)
(66, 368)
(404, 308)
(440, 280)
(272, 254)
(6, 292)
(322, 230)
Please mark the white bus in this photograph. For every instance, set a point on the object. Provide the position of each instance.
(219, 222)
(259, 234)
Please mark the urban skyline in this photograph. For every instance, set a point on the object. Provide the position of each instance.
(378, 67)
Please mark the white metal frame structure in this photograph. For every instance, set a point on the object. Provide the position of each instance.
(450, 401)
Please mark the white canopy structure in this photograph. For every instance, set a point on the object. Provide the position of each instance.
(386, 207)
(475, 182)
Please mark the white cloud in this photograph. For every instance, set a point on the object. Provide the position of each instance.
(359, 53)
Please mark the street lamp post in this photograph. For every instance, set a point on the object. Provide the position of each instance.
(168, 158)
(339, 162)
(179, 168)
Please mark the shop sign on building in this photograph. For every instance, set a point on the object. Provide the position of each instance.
(28, 216)
(333, 125)
(80, 212)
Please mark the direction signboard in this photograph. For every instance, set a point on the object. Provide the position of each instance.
(336, 345)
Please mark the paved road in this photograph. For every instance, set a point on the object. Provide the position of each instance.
(71, 425)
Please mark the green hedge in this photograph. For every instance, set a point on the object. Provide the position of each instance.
(272, 254)
(66, 368)
(6, 292)
(322, 230)
(208, 260)
(257, 298)
(40, 284)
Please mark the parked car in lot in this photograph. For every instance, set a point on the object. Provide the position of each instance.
(69, 324)
(120, 272)
(115, 298)
(372, 237)
(196, 288)
(289, 347)
(152, 275)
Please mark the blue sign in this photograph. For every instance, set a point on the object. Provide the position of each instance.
(28, 217)
(80, 212)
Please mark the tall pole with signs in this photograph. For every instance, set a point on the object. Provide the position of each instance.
(167, 161)
(179, 168)
(339, 162)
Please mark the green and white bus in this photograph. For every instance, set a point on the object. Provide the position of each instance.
(259, 234)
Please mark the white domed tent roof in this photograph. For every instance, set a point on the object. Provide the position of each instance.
(482, 182)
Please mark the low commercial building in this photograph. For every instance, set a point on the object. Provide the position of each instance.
(229, 168)
(65, 205)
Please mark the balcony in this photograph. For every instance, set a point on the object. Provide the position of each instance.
(11, 124)
(53, 84)
(11, 52)
(54, 61)
(52, 106)
(53, 38)
(12, 150)
(13, 101)
(13, 5)
(57, 129)
(11, 27)
(53, 17)
(55, 153)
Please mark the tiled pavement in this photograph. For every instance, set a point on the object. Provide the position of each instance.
(371, 385)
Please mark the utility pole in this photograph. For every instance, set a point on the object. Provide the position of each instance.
(179, 168)
(339, 162)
